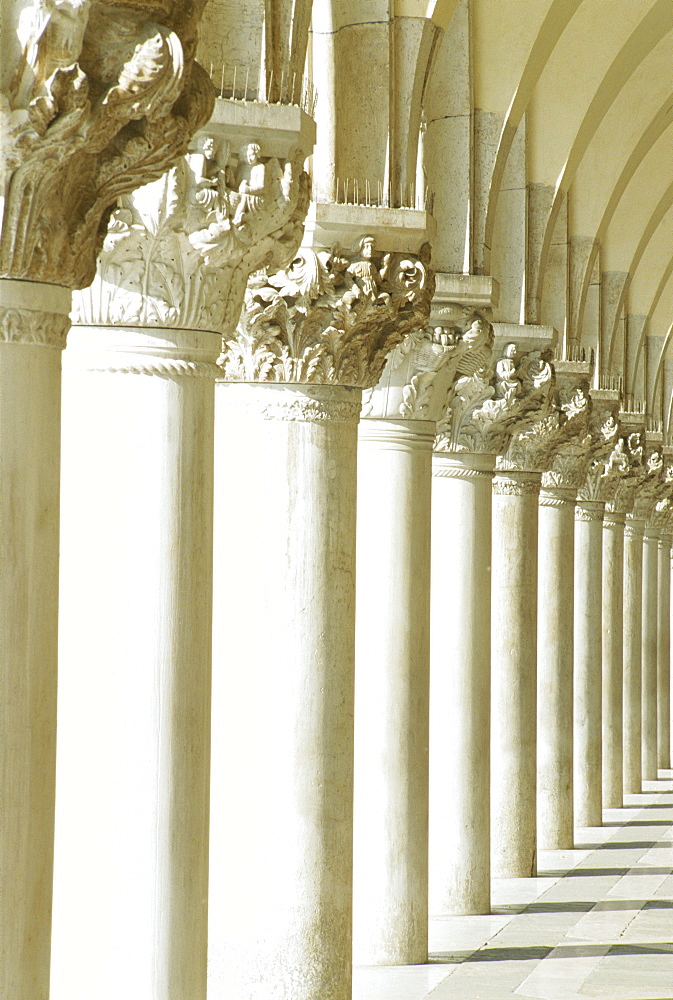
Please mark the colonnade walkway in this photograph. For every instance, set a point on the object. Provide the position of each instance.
(596, 922)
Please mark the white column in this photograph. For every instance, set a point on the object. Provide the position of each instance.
(649, 655)
(632, 676)
(130, 888)
(513, 673)
(612, 633)
(460, 684)
(390, 833)
(555, 669)
(282, 742)
(33, 326)
(664, 654)
(587, 714)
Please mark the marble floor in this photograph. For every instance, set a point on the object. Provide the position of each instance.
(597, 922)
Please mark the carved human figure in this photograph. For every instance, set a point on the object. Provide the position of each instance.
(201, 164)
(251, 182)
(51, 34)
(505, 371)
(367, 275)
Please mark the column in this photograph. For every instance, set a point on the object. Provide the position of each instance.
(33, 325)
(587, 673)
(555, 669)
(390, 847)
(66, 157)
(390, 859)
(632, 675)
(612, 644)
(460, 686)
(513, 673)
(282, 753)
(130, 891)
(664, 653)
(131, 884)
(281, 865)
(649, 653)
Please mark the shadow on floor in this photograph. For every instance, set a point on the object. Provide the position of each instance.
(583, 906)
(594, 872)
(535, 953)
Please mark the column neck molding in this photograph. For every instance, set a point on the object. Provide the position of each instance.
(291, 402)
(589, 510)
(516, 483)
(34, 314)
(634, 527)
(143, 351)
(559, 496)
(398, 435)
(614, 519)
(665, 541)
(466, 465)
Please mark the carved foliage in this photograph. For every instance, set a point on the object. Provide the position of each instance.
(607, 460)
(492, 404)
(420, 373)
(179, 250)
(627, 469)
(103, 99)
(329, 317)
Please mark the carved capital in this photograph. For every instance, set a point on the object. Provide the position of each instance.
(420, 373)
(589, 510)
(102, 97)
(179, 251)
(331, 317)
(648, 492)
(491, 405)
(555, 443)
(516, 484)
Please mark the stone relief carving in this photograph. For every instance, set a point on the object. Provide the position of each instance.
(649, 489)
(331, 317)
(624, 472)
(179, 251)
(25, 326)
(607, 460)
(103, 98)
(492, 404)
(421, 371)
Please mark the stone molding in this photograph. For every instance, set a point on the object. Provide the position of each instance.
(330, 318)
(179, 251)
(104, 97)
(34, 314)
(634, 527)
(560, 496)
(518, 484)
(590, 510)
(288, 402)
(614, 519)
(143, 351)
(397, 434)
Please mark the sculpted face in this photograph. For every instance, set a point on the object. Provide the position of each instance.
(252, 152)
(367, 248)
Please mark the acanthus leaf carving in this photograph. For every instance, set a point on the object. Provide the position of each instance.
(330, 317)
(179, 251)
(103, 99)
(490, 406)
(420, 373)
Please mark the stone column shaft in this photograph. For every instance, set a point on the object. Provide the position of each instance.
(282, 749)
(632, 676)
(33, 325)
(649, 653)
(587, 722)
(390, 845)
(460, 684)
(612, 633)
(513, 673)
(664, 654)
(130, 896)
(555, 669)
